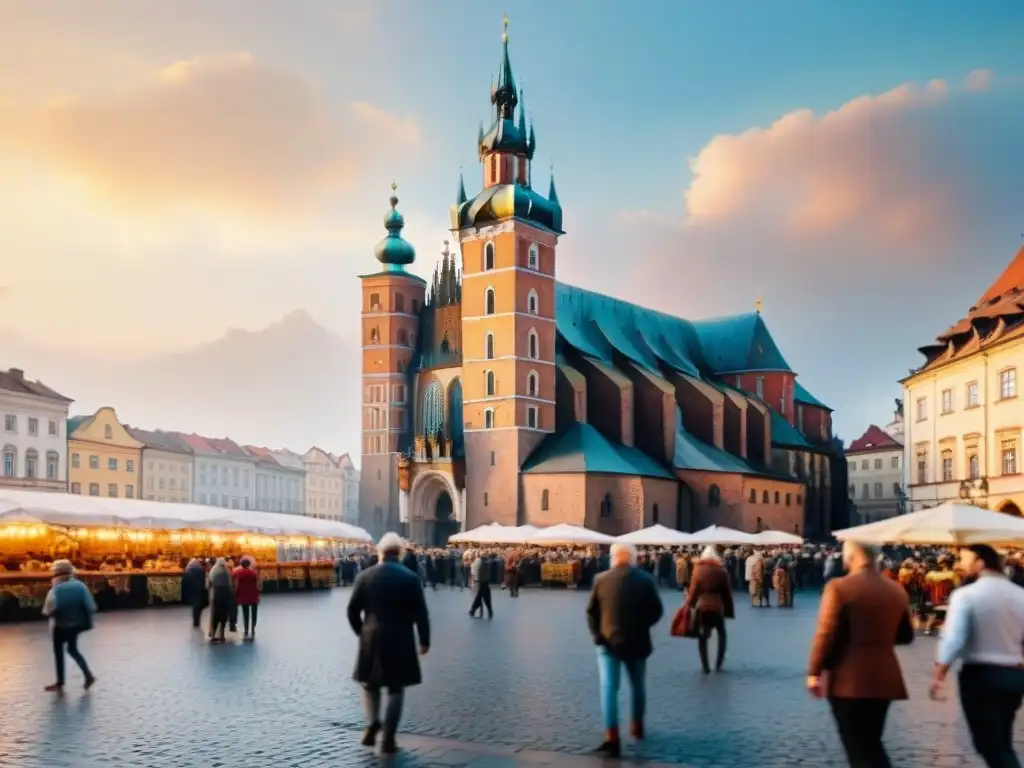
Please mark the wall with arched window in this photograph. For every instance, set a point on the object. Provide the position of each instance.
(489, 418)
(489, 346)
(533, 384)
(490, 384)
(533, 345)
(533, 257)
(489, 255)
(533, 302)
(489, 301)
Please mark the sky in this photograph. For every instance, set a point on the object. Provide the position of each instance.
(169, 171)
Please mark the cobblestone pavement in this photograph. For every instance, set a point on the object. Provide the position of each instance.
(518, 690)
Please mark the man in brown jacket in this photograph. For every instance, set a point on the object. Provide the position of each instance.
(863, 616)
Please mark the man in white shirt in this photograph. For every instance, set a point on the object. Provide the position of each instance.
(984, 629)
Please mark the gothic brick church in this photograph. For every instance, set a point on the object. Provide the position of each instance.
(496, 393)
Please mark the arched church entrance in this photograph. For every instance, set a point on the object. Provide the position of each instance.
(445, 524)
(1010, 508)
(433, 509)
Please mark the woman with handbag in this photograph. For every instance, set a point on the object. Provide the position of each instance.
(70, 606)
(710, 603)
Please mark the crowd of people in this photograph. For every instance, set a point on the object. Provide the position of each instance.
(872, 600)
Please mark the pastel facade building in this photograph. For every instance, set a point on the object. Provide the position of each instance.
(279, 483)
(34, 434)
(963, 413)
(875, 475)
(225, 473)
(324, 485)
(167, 466)
(498, 394)
(104, 458)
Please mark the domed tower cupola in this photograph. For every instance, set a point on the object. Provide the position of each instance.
(394, 252)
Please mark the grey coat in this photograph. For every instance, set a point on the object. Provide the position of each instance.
(387, 602)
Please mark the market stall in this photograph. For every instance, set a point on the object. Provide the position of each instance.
(948, 524)
(777, 539)
(656, 536)
(132, 553)
(718, 534)
(564, 534)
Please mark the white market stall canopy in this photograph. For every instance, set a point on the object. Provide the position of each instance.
(715, 534)
(484, 534)
(656, 536)
(563, 533)
(72, 510)
(777, 538)
(949, 524)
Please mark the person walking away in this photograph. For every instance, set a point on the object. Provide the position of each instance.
(783, 585)
(624, 605)
(481, 574)
(387, 603)
(233, 610)
(710, 599)
(512, 575)
(984, 629)
(863, 616)
(70, 607)
(221, 599)
(193, 590)
(410, 560)
(247, 597)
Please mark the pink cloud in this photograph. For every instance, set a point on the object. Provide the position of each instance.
(865, 167)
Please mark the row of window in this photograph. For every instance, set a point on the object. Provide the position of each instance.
(532, 418)
(879, 490)
(11, 425)
(31, 464)
(766, 497)
(491, 384)
(226, 475)
(375, 394)
(532, 302)
(151, 466)
(399, 303)
(94, 463)
(1007, 462)
(532, 258)
(405, 338)
(234, 502)
(894, 463)
(94, 490)
(532, 346)
(152, 484)
(972, 395)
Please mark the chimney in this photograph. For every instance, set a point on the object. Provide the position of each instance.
(17, 374)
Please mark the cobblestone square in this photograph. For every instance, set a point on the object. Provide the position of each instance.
(518, 690)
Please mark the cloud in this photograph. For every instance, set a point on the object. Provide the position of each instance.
(883, 167)
(225, 131)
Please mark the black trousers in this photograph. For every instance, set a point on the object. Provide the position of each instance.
(68, 638)
(197, 613)
(709, 622)
(249, 614)
(482, 599)
(861, 723)
(990, 709)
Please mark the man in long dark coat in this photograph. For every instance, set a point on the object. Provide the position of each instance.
(387, 603)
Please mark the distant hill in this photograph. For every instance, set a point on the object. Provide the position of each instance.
(292, 384)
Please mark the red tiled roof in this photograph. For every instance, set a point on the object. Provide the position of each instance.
(195, 442)
(1012, 277)
(226, 445)
(14, 381)
(873, 439)
(263, 454)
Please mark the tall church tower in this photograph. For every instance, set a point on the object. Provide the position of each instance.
(392, 298)
(508, 235)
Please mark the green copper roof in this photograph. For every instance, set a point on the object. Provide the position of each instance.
(801, 395)
(739, 343)
(785, 435)
(694, 454)
(506, 136)
(581, 448)
(507, 201)
(394, 250)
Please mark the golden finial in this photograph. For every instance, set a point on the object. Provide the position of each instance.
(394, 186)
(758, 303)
(504, 34)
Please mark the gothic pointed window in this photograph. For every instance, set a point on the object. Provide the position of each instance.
(533, 260)
(490, 383)
(714, 496)
(532, 303)
(534, 344)
(532, 384)
(489, 346)
(433, 408)
(489, 256)
(489, 301)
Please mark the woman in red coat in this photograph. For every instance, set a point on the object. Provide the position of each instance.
(247, 596)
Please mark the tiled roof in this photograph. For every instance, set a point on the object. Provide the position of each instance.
(801, 395)
(288, 459)
(581, 448)
(14, 381)
(160, 440)
(1012, 277)
(226, 445)
(785, 435)
(873, 439)
(77, 421)
(265, 455)
(600, 326)
(694, 454)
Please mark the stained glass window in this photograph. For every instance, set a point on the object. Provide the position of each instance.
(433, 408)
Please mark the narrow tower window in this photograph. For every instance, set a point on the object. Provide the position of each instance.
(533, 351)
(494, 169)
(489, 418)
(489, 302)
(489, 347)
(534, 259)
(531, 302)
(489, 256)
(490, 383)
(531, 417)
(532, 384)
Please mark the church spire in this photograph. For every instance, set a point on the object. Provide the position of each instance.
(460, 197)
(503, 95)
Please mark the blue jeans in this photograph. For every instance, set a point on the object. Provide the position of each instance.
(610, 672)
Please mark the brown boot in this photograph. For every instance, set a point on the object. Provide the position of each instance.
(610, 747)
(636, 730)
